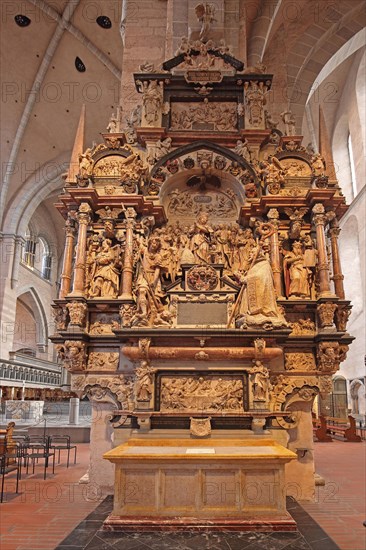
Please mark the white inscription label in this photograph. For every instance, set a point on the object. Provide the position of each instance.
(200, 451)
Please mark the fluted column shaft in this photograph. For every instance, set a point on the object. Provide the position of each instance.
(127, 272)
(65, 286)
(337, 268)
(79, 270)
(275, 252)
(320, 219)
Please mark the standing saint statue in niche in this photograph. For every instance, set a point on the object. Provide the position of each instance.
(105, 282)
(144, 381)
(152, 101)
(256, 304)
(297, 275)
(201, 233)
(260, 376)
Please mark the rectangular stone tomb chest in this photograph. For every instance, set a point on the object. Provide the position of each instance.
(228, 483)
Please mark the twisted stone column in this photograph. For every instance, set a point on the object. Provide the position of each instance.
(320, 219)
(65, 286)
(79, 271)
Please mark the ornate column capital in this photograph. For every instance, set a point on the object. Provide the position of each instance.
(83, 214)
(319, 215)
(334, 232)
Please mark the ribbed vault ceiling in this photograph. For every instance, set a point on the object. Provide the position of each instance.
(43, 92)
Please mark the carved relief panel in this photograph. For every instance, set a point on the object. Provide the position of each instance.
(196, 392)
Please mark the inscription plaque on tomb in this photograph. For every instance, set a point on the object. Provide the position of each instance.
(202, 314)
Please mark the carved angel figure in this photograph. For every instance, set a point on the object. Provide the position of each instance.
(296, 220)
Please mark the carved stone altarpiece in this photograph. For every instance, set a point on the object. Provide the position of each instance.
(197, 275)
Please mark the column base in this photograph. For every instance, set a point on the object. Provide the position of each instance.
(125, 296)
(326, 294)
(75, 295)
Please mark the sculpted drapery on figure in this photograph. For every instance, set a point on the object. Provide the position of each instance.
(257, 306)
(105, 282)
(201, 232)
(152, 101)
(297, 275)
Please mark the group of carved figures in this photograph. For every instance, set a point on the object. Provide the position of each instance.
(158, 261)
(201, 393)
(222, 116)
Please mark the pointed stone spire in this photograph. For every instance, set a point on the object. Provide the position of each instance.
(77, 150)
(325, 147)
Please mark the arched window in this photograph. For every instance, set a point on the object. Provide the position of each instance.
(37, 255)
(30, 249)
(43, 258)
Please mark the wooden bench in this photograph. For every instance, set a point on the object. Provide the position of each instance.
(6, 439)
(320, 429)
(342, 427)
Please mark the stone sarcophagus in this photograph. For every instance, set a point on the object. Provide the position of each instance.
(232, 484)
(202, 292)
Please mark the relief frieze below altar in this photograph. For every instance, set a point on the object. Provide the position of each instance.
(203, 393)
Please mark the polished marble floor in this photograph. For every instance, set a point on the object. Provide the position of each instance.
(89, 535)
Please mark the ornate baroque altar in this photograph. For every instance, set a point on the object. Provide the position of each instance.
(202, 293)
